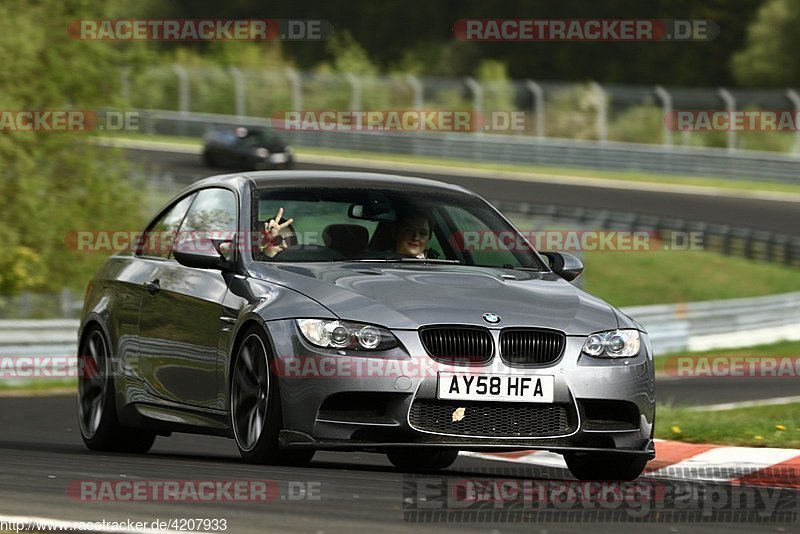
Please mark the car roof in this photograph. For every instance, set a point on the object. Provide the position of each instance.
(269, 179)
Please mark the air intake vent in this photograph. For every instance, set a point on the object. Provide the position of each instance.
(458, 344)
(491, 419)
(531, 347)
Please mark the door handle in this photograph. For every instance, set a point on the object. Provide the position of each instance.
(152, 286)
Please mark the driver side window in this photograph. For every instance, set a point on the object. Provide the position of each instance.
(212, 215)
(159, 238)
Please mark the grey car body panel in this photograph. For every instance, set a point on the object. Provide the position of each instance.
(401, 297)
(407, 296)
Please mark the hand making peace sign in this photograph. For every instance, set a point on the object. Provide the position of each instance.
(275, 242)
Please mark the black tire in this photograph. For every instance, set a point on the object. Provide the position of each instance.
(208, 159)
(255, 405)
(422, 459)
(605, 466)
(97, 414)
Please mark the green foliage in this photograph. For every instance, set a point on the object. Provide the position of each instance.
(770, 56)
(55, 183)
(348, 55)
(572, 113)
(638, 124)
(498, 89)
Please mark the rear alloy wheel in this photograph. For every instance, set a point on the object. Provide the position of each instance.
(605, 466)
(97, 414)
(422, 459)
(256, 416)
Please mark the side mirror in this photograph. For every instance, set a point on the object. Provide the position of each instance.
(202, 253)
(565, 265)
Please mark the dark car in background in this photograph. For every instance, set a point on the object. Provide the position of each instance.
(246, 148)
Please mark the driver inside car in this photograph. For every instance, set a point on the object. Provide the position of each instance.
(411, 234)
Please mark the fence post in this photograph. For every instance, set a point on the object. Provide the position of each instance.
(297, 88)
(602, 112)
(794, 98)
(125, 84)
(666, 105)
(416, 87)
(477, 99)
(65, 298)
(355, 91)
(238, 91)
(183, 88)
(538, 106)
(730, 107)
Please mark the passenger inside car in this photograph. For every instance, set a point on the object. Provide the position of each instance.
(408, 236)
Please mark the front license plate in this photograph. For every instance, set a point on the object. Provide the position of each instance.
(494, 387)
(278, 158)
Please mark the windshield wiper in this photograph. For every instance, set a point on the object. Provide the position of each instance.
(531, 269)
(408, 259)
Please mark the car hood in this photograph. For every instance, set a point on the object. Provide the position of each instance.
(403, 296)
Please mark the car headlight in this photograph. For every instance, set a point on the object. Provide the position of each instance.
(613, 344)
(346, 335)
(262, 152)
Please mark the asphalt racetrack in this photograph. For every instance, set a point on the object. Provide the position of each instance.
(41, 456)
(753, 213)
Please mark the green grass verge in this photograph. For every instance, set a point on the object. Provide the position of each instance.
(35, 387)
(759, 426)
(742, 184)
(640, 278)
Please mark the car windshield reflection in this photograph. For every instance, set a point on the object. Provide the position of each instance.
(386, 225)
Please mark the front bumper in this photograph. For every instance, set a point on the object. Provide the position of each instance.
(354, 401)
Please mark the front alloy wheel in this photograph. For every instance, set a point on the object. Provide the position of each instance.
(256, 416)
(249, 392)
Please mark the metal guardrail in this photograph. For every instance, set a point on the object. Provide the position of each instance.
(720, 324)
(37, 332)
(518, 149)
(28, 305)
(706, 325)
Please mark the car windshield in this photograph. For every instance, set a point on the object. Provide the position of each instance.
(263, 137)
(424, 226)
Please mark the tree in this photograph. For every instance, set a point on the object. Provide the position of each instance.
(54, 183)
(769, 57)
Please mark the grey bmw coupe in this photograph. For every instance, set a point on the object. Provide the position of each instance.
(299, 311)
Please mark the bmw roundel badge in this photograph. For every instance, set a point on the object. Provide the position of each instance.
(491, 318)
